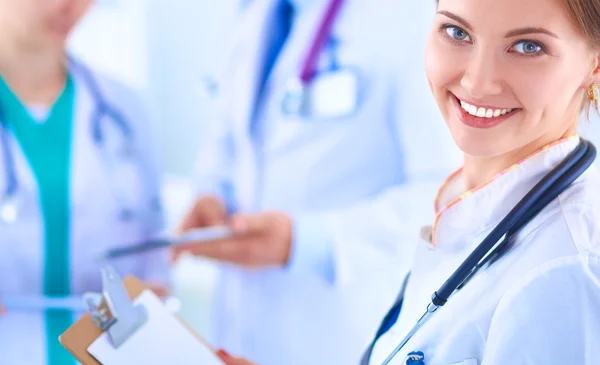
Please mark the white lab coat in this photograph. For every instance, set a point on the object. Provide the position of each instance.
(538, 305)
(94, 225)
(355, 177)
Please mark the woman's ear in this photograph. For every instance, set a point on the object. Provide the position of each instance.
(593, 92)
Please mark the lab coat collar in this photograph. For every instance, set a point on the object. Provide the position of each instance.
(463, 214)
(243, 86)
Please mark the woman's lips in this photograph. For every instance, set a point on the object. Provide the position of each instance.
(484, 118)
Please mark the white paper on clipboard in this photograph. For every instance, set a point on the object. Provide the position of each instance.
(162, 340)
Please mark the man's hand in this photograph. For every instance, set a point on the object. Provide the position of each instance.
(208, 211)
(260, 240)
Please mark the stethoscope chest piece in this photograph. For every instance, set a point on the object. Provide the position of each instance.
(415, 358)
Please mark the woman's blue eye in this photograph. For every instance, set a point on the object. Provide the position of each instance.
(528, 47)
(457, 33)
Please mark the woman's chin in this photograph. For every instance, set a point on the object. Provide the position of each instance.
(475, 143)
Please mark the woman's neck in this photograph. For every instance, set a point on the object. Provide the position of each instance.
(478, 171)
(35, 74)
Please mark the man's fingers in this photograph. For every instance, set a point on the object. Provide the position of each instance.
(214, 218)
(207, 211)
(242, 224)
(192, 219)
(188, 222)
(230, 250)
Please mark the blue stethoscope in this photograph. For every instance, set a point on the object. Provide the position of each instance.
(495, 245)
(9, 207)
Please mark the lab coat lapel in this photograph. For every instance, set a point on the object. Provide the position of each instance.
(82, 147)
(3, 175)
(246, 62)
(27, 190)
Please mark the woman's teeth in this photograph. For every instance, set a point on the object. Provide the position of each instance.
(483, 112)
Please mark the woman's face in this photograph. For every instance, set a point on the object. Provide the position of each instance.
(508, 75)
(46, 22)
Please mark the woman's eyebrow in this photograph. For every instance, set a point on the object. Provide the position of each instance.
(512, 33)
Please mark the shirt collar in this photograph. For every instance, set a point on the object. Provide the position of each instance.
(462, 214)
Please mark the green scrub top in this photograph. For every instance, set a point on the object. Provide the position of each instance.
(46, 144)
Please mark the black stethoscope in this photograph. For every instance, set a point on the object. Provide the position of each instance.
(127, 151)
(497, 243)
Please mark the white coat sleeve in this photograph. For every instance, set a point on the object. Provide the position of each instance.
(552, 317)
(342, 245)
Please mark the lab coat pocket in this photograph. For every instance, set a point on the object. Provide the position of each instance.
(21, 256)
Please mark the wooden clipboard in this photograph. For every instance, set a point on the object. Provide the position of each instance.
(80, 336)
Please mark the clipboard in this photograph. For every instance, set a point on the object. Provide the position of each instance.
(112, 312)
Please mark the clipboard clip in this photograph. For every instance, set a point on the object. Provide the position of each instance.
(112, 311)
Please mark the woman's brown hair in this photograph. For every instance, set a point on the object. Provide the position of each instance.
(586, 14)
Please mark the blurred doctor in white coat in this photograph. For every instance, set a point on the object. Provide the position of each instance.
(327, 138)
(68, 190)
